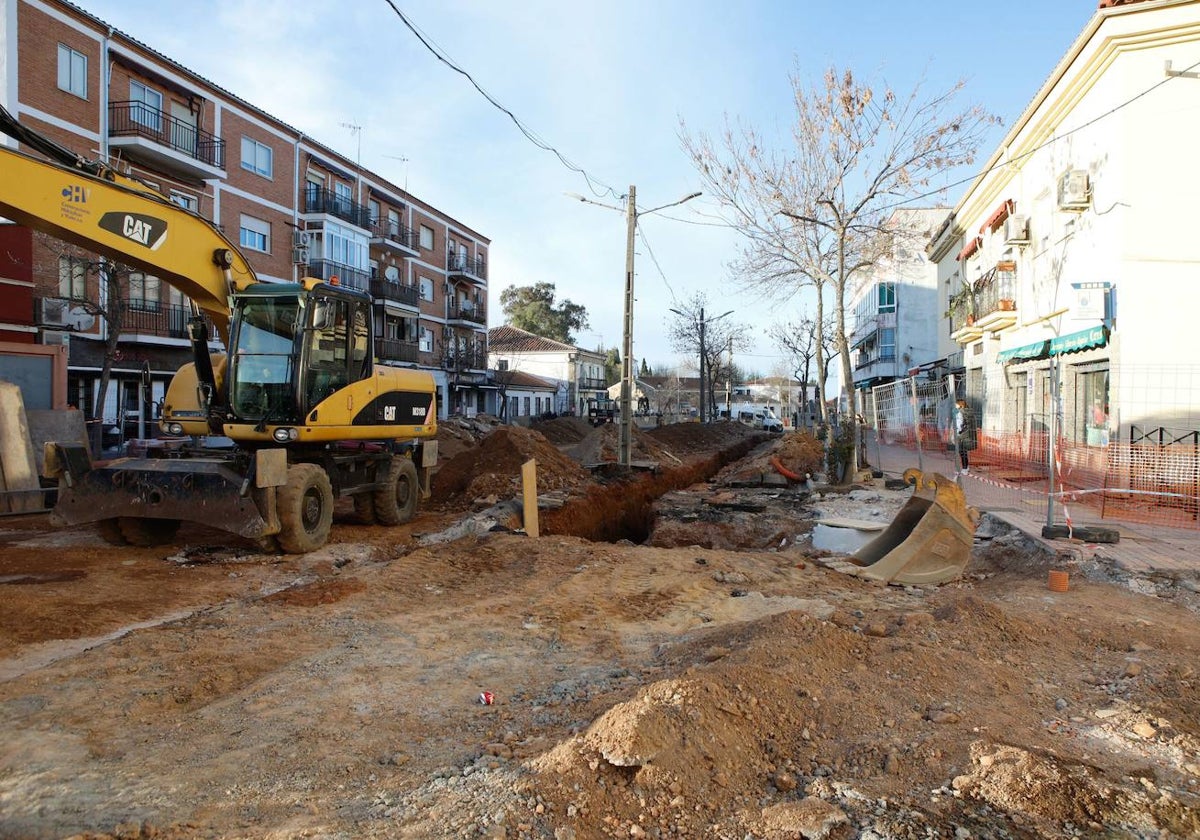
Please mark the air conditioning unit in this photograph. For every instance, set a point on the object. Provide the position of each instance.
(447, 332)
(300, 256)
(1074, 190)
(53, 312)
(1016, 230)
(301, 239)
(55, 338)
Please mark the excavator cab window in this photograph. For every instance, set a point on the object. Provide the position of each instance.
(264, 346)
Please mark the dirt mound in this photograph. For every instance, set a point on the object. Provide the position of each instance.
(682, 439)
(456, 434)
(602, 445)
(494, 467)
(801, 453)
(563, 431)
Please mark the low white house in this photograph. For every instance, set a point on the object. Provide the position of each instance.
(578, 374)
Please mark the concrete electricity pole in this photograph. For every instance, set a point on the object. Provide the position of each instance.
(625, 445)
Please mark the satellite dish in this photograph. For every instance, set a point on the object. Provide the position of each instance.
(391, 274)
(80, 319)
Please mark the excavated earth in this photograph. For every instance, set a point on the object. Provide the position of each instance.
(702, 677)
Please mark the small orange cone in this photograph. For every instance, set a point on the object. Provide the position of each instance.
(1057, 581)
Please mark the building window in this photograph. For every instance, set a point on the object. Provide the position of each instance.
(426, 340)
(393, 223)
(1091, 389)
(257, 157)
(887, 344)
(346, 247)
(426, 289)
(527, 406)
(146, 106)
(72, 71)
(72, 278)
(143, 291)
(187, 202)
(887, 297)
(427, 238)
(343, 198)
(255, 234)
(373, 211)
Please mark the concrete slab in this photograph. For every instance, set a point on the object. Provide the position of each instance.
(19, 484)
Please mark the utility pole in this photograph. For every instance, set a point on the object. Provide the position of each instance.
(625, 444)
(703, 367)
(729, 382)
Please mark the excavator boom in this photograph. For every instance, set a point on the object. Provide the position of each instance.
(126, 222)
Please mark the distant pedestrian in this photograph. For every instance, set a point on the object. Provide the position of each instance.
(964, 424)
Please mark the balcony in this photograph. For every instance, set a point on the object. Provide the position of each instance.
(151, 318)
(473, 359)
(144, 133)
(395, 236)
(995, 298)
(963, 328)
(591, 383)
(466, 267)
(319, 201)
(395, 350)
(473, 313)
(399, 293)
(354, 278)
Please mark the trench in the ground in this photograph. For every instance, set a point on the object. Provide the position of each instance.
(624, 510)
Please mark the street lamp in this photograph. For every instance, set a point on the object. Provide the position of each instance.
(631, 214)
(701, 324)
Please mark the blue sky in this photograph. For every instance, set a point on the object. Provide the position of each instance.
(607, 84)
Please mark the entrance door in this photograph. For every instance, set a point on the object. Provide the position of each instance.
(183, 129)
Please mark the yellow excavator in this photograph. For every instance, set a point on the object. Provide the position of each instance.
(295, 414)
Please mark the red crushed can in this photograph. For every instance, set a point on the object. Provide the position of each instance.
(487, 698)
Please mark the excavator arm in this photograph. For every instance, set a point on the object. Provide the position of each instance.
(92, 206)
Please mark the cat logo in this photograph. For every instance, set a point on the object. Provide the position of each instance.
(389, 414)
(136, 227)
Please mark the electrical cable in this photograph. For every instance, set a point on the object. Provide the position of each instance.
(529, 134)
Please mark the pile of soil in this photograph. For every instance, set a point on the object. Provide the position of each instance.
(564, 431)
(458, 434)
(685, 439)
(493, 469)
(801, 453)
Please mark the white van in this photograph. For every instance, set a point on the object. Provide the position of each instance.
(756, 416)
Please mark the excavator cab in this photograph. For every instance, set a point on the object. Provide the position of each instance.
(261, 369)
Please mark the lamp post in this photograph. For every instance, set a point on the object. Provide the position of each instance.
(632, 214)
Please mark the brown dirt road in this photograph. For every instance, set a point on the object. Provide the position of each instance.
(639, 692)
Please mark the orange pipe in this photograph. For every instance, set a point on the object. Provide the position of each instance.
(784, 471)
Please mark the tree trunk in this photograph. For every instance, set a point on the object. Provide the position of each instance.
(822, 411)
(844, 350)
(113, 312)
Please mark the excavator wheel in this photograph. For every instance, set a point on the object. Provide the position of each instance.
(110, 532)
(147, 532)
(396, 503)
(364, 508)
(305, 506)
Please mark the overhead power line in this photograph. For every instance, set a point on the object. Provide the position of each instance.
(440, 55)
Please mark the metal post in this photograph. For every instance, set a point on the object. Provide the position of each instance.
(703, 390)
(1054, 403)
(954, 459)
(912, 382)
(626, 438)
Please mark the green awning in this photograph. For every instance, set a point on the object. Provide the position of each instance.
(1026, 351)
(1082, 340)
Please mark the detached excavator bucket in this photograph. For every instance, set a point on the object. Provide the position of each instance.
(928, 542)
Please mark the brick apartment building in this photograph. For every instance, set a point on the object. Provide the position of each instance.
(296, 207)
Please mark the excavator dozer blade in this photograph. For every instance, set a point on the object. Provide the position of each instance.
(929, 541)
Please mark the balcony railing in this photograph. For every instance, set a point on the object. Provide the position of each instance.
(149, 317)
(354, 278)
(996, 291)
(395, 350)
(474, 359)
(475, 313)
(383, 230)
(592, 383)
(464, 265)
(406, 295)
(136, 119)
(962, 311)
(321, 200)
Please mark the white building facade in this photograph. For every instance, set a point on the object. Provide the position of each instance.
(579, 373)
(1076, 250)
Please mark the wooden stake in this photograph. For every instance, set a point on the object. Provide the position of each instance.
(529, 496)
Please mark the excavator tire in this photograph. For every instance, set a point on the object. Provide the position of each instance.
(396, 503)
(364, 508)
(147, 532)
(928, 542)
(110, 532)
(305, 506)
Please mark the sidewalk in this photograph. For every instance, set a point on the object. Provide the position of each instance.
(1143, 549)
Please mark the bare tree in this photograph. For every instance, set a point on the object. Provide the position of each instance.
(803, 341)
(706, 336)
(857, 153)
